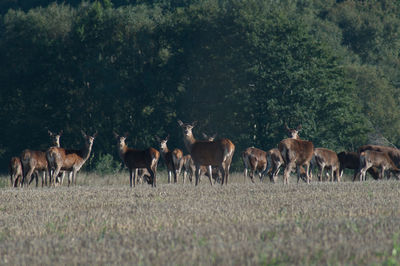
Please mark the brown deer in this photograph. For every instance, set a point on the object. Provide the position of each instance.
(208, 153)
(15, 170)
(60, 159)
(36, 161)
(393, 153)
(172, 159)
(255, 160)
(134, 159)
(274, 163)
(351, 160)
(188, 167)
(370, 158)
(325, 158)
(296, 153)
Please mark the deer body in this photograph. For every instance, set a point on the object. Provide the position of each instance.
(351, 160)
(255, 160)
(60, 159)
(370, 158)
(36, 161)
(295, 153)
(208, 153)
(135, 159)
(325, 158)
(172, 159)
(15, 170)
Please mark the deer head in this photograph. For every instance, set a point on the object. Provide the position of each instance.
(293, 133)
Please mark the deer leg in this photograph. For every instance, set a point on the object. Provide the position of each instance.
(288, 170)
(184, 176)
(169, 176)
(28, 176)
(197, 174)
(298, 173)
(130, 178)
(209, 170)
(153, 176)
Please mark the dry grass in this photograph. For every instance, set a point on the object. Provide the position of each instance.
(106, 222)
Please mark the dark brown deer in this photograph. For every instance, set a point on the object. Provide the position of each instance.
(351, 160)
(325, 158)
(172, 159)
(296, 153)
(370, 158)
(36, 161)
(255, 160)
(60, 159)
(208, 153)
(134, 159)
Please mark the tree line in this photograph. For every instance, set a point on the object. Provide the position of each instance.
(242, 69)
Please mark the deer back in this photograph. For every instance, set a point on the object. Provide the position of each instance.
(212, 152)
(300, 151)
(15, 166)
(134, 158)
(33, 159)
(326, 156)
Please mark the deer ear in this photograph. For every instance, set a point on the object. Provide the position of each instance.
(157, 138)
(299, 127)
(126, 134)
(83, 133)
(61, 132)
(204, 135)
(180, 122)
(286, 127)
(215, 135)
(95, 134)
(194, 123)
(167, 138)
(50, 133)
(115, 135)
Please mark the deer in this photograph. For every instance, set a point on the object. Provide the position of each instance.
(36, 161)
(208, 153)
(15, 170)
(325, 158)
(172, 159)
(382, 160)
(60, 159)
(296, 153)
(188, 167)
(255, 160)
(351, 160)
(393, 153)
(135, 159)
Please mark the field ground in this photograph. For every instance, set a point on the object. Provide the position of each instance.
(103, 221)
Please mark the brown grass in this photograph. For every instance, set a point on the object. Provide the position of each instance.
(103, 221)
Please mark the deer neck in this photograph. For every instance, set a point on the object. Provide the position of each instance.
(86, 151)
(189, 140)
(164, 150)
(122, 150)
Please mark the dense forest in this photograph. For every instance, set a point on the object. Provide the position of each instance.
(242, 69)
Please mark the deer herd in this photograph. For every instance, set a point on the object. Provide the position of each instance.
(209, 157)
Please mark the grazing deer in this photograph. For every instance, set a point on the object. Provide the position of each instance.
(255, 160)
(134, 159)
(60, 159)
(15, 170)
(393, 153)
(208, 153)
(369, 158)
(296, 153)
(36, 161)
(325, 158)
(351, 160)
(172, 159)
(274, 163)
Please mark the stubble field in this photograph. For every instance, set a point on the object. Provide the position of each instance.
(103, 221)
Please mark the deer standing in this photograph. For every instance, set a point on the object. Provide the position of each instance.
(351, 160)
(172, 159)
(134, 159)
(60, 159)
(295, 153)
(15, 170)
(208, 153)
(36, 161)
(325, 158)
(255, 160)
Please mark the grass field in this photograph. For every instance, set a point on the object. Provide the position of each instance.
(103, 221)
